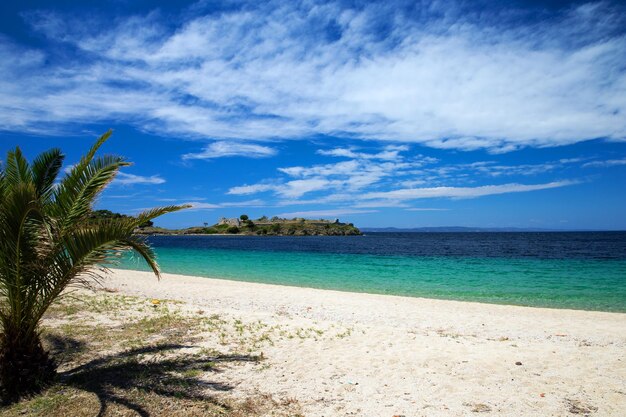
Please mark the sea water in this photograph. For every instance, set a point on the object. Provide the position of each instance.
(563, 270)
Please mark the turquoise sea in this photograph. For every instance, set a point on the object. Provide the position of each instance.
(577, 270)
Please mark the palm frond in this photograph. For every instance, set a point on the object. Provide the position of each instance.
(76, 193)
(85, 246)
(3, 183)
(158, 211)
(17, 169)
(45, 169)
(76, 180)
(94, 148)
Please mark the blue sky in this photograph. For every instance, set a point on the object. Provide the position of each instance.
(402, 114)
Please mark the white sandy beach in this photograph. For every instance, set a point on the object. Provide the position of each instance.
(388, 356)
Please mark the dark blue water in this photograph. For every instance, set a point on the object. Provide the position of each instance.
(562, 270)
(539, 245)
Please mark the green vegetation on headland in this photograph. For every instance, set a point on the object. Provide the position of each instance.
(263, 226)
(107, 214)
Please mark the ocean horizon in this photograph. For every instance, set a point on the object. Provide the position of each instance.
(574, 270)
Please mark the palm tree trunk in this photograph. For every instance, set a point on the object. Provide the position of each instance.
(25, 367)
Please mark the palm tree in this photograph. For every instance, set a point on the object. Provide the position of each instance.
(47, 243)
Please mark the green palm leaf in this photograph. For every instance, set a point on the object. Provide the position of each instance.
(45, 169)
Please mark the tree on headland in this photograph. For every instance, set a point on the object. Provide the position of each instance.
(105, 214)
(108, 214)
(49, 240)
(244, 217)
(147, 223)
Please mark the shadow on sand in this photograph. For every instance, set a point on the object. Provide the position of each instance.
(157, 369)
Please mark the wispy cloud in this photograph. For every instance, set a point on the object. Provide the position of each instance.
(368, 181)
(289, 189)
(604, 164)
(466, 172)
(324, 213)
(198, 205)
(222, 149)
(461, 192)
(123, 178)
(389, 153)
(297, 188)
(251, 189)
(445, 77)
(367, 169)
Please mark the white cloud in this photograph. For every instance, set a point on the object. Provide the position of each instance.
(297, 188)
(461, 192)
(607, 163)
(123, 178)
(364, 169)
(389, 153)
(445, 79)
(494, 170)
(348, 153)
(398, 198)
(251, 189)
(393, 183)
(203, 206)
(571, 160)
(324, 213)
(221, 149)
(197, 205)
(489, 169)
(340, 168)
(344, 176)
(412, 183)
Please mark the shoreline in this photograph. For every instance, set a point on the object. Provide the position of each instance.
(241, 234)
(118, 270)
(181, 285)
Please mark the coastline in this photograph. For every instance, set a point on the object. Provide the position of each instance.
(412, 356)
(233, 284)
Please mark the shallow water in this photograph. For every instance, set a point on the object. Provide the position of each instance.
(562, 270)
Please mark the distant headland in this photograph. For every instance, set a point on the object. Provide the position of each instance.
(263, 226)
(243, 225)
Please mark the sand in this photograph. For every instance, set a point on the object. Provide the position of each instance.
(374, 355)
